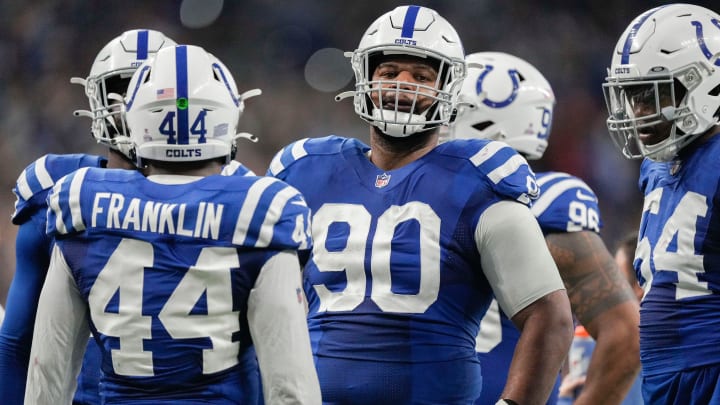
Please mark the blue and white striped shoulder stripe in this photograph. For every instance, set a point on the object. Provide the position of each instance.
(287, 155)
(255, 227)
(235, 168)
(554, 185)
(34, 178)
(498, 160)
(64, 201)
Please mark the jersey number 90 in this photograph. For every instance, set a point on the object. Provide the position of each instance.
(351, 258)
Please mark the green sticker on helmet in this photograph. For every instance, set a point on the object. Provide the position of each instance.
(182, 103)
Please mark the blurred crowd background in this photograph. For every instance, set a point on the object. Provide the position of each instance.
(292, 50)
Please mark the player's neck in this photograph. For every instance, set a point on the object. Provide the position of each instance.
(709, 133)
(388, 153)
(198, 169)
(116, 160)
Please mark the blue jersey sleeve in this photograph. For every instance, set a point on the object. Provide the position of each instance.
(566, 204)
(32, 260)
(32, 250)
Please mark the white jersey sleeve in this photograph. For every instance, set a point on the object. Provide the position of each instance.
(59, 339)
(276, 317)
(515, 257)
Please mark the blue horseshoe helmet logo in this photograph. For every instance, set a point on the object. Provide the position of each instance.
(514, 76)
(701, 38)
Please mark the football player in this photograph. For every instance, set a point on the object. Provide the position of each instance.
(177, 274)
(110, 73)
(663, 98)
(412, 238)
(504, 98)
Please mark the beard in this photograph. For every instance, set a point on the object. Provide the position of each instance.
(407, 144)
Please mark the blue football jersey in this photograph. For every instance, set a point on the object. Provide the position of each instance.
(565, 204)
(33, 249)
(395, 286)
(678, 261)
(167, 270)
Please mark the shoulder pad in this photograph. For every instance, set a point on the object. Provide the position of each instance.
(507, 170)
(64, 213)
(273, 214)
(309, 146)
(651, 172)
(36, 180)
(566, 204)
(235, 168)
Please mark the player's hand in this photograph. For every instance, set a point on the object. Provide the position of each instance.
(571, 385)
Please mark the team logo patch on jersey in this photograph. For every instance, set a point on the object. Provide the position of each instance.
(382, 180)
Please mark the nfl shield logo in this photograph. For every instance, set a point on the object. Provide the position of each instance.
(382, 180)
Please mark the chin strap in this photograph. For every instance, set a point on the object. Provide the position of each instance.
(233, 144)
(120, 143)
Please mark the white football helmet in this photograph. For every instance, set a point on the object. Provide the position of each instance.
(183, 105)
(414, 31)
(110, 74)
(667, 62)
(504, 98)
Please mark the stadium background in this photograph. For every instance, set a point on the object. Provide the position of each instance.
(291, 49)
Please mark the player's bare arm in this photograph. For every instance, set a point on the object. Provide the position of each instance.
(604, 303)
(536, 348)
